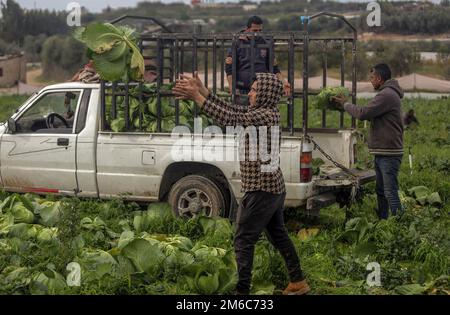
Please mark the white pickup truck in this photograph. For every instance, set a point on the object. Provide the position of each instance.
(54, 143)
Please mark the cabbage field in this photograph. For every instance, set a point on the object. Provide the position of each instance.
(51, 245)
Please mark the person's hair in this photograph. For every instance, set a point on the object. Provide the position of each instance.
(383, 71)
(254, 20)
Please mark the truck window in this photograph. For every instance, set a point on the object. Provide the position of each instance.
(52, 113)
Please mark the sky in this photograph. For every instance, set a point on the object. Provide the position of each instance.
(98, 5)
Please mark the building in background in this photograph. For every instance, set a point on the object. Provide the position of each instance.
(13, 69)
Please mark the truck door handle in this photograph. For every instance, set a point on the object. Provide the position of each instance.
(63, 142)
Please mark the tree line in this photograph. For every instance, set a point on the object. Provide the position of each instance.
(45, 36)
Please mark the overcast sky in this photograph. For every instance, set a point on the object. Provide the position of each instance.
(98, 5)
(92, 5)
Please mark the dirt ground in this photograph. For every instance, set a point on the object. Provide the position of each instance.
(32, 77)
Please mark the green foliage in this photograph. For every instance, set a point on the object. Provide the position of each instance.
(324, 99)
(8, 48)
(114, 51)
(47, 282)
(61, 57)
(8, 104)
(124, 248)
(33, 47)
(148, 109)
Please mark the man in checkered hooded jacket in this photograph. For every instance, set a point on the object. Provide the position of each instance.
(262, 205)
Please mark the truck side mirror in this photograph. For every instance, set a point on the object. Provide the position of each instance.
(12, 125)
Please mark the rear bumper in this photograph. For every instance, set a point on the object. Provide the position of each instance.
(321, 192)
(335, 184)
(298, 193)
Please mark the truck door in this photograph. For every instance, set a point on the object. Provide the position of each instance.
(40, 155)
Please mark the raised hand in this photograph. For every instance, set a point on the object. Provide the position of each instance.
(190, 88)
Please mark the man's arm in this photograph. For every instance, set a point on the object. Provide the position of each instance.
(220, 101)
(229, 115)
(376, 107)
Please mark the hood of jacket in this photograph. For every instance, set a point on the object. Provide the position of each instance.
(393, 84)
(269, 90)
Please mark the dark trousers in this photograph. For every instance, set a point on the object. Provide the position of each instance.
(261, 211)
(386, 168)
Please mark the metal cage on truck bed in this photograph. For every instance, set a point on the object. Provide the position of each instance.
(169, 54)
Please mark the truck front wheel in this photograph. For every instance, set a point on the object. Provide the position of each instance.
(195, 195)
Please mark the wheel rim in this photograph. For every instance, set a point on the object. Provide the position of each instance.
(193, 202)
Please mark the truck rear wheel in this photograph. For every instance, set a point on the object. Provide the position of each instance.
(195, 195)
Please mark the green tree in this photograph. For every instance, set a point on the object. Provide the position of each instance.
(399, 56)
(12, 22)
(8, 48)
(33, 47)
(61, 56)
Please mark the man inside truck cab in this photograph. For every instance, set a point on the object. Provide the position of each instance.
(243, 62)
(385, 136)
(69, 113)
(262, 182)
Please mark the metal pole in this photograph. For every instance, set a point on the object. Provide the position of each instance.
(103, 106)
(341, 117)
(127, 107)
(214, 64)
(113, 101)
(182, 57)
(354, 76)
(171, 64)
(234, 67)
(324, 83)
(222, 63)
(177, 74)
(206, 63)
(271, 54)
(305, 80)
(141, 114)
(195, 67)
(159, 83)
(141, 103)
(291, 79)
(252, 56)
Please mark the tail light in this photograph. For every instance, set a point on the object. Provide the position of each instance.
(306, 170)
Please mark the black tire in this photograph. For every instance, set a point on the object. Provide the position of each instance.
(194, 194)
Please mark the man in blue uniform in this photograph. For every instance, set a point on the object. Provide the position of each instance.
(243, 62)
